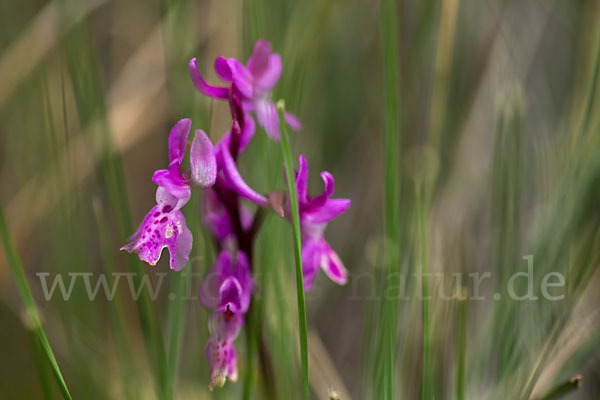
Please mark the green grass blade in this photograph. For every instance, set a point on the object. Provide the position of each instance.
(461, 345)
(175, 327)
(386, 355)
(40, 361)
(291, 182)
(425, 314)
(116, 307)
(32, 312)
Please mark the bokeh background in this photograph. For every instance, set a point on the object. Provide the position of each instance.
(466, 133)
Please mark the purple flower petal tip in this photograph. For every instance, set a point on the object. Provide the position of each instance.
(202, 86)
(234, 179)
(315, 213)
(292, 121)
(178, 140)
(202, 160)
(222, 69)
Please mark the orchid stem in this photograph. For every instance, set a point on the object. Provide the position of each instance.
(30, 307)
(287, 157)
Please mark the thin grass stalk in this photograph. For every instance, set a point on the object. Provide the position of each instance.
(422, 249)
(291, 182)
(116, 306)
(389, 23)
(30, 307)
(175, 327)
(443, 65)
(40, 362)
(575, 295)
(461, 345)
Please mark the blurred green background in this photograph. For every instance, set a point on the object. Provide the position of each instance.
(466, 133)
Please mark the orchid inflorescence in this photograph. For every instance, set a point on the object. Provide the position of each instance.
(228, 288)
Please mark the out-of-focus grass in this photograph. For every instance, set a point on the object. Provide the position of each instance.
(471, 127)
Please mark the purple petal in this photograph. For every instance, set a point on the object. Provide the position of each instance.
(242, 78)
(258, 62)
(181, 245)
(178, 140)
(216, 218)
(244, 277)
(223, 69)
(266, 113)
(333, 266)
(292, 121)
(162, 227)
(202, 86)
(174, 185)
(302, 180)
(163, 197)
(224, 265)
(233, 178)
(331, 209)
(211, 284)
(329, 187)
(268, 79)
(246, 217)
(202, 160)
(311, 258)
(247, 132)
(314, 231)
(230, 293)
(222, 360)
(219, 225)
(225, 326)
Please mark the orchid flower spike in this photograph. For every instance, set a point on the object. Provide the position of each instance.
(227, 291)
(164, 226)
(254, 81)
(315, 213)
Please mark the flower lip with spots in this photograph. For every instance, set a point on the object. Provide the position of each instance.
(164, 226)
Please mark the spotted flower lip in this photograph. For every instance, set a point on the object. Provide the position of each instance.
(165, 226)
(315, 213)
(222, 360)
(255, 81)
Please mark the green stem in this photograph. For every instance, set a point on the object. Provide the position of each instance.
(177, 310)
(462, 344)
(386, 356)
(40, 360)
(115, 307)
(291, 181)
(32, 312)
(422, 240)
(564, 388)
